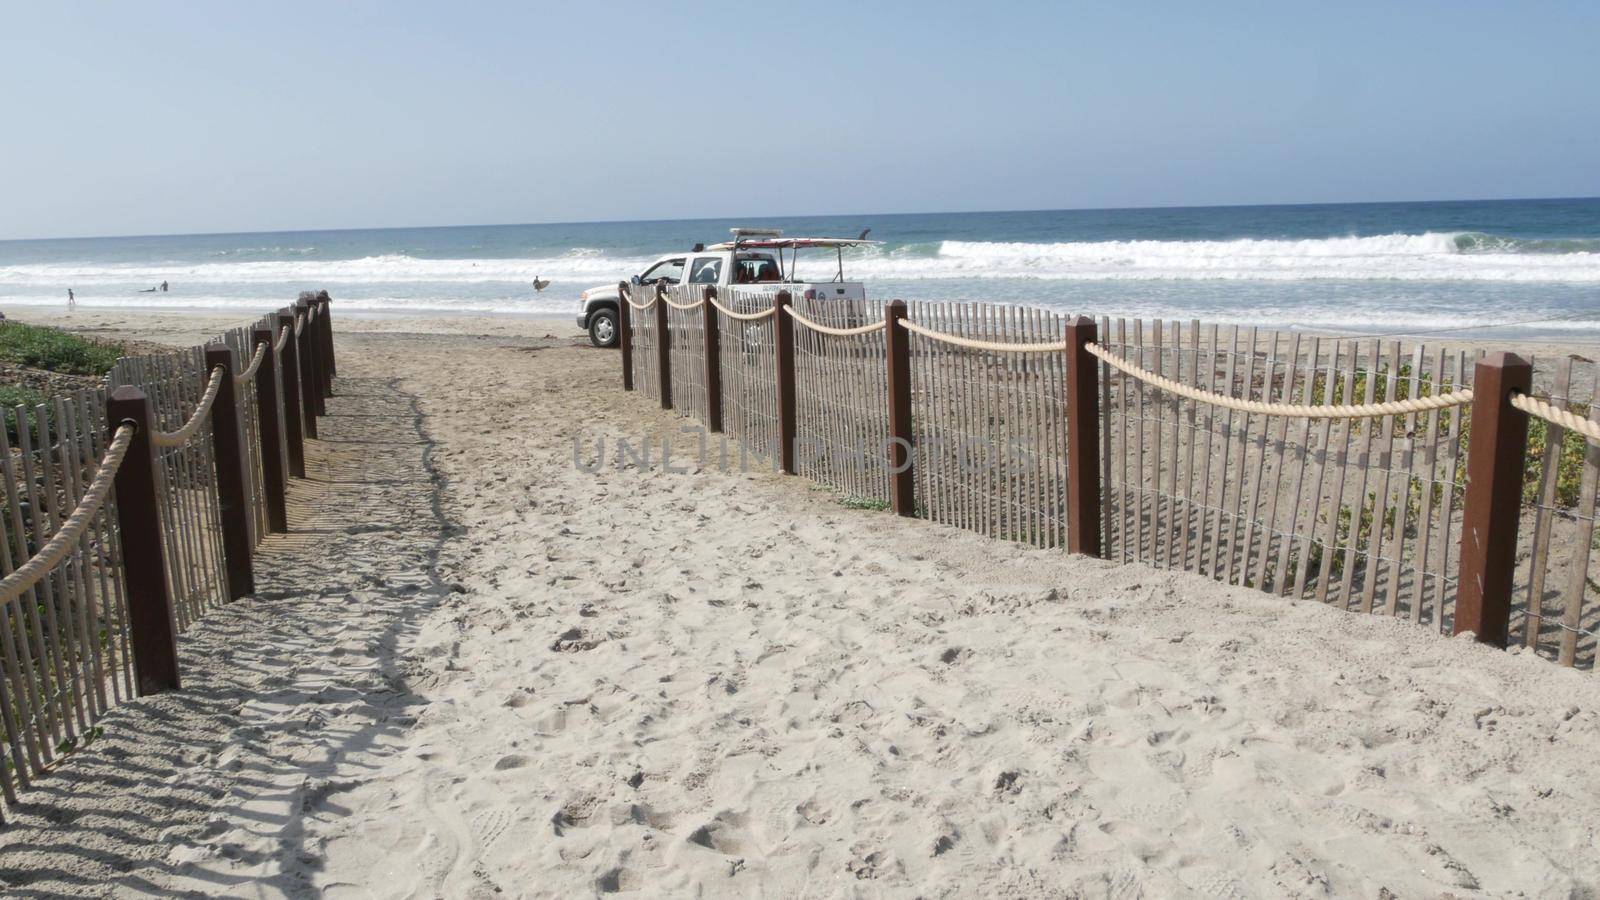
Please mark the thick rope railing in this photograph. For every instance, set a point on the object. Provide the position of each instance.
(72, 530)
(684, 306)
(829, 329)
(743, 317)
(249, 373)
(1555, 415)
(972, 344)
(190, 428)
(628, 299)
(283, 338)
(1360, 411)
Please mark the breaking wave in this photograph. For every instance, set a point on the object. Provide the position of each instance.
(1432, 256)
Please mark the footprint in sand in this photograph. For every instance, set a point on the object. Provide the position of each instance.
(724, 834)
(575, 814)
(488, 826)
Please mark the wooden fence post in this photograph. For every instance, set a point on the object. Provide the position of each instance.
(325, 317)
(897, 346)
(149, 594)
(1083, 439)
(625, 333)
(663, 346)
(267, 421)
(310, 379)
(783, 342)
(227, 449)
(1496, 452)
(293, 421)
(713, 342)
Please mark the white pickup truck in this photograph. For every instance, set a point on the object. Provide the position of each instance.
(753, 260)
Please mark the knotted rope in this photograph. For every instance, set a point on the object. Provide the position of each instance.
(971, 344)
(828, 329)
(1361, 411)
(1533, 406)
(72, 530)
(182, 435)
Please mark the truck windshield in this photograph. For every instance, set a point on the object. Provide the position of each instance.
(668, 271)
(706, 270)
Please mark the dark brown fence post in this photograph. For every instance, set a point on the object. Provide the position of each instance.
(325, 316)
(293, 421)
(713, 362)
(1496, 453)
(150, 625)
(227, 449)
(1083, 439)
(625, 333)
(663, 346)
(897, 348)
(272, 474)
(783, 342)
(310, 376)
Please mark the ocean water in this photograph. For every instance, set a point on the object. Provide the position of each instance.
(1521, 268)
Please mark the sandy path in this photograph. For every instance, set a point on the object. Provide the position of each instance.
(729, 684)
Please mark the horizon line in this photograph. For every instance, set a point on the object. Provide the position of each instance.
(723, 218)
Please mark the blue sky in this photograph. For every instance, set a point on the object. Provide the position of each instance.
(158, 117)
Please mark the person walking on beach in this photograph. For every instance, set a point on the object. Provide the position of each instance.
(72, 300)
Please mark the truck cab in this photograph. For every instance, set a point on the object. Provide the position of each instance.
(753, 260)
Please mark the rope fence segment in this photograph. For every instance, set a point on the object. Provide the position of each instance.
(696, 304)
(832, 330)
(76, 524)
(628, 298)
(743, 317)
(196, 419)
(249, 373)
(976, 344)
(283, 338)
(1534, 406)
(1458, 397)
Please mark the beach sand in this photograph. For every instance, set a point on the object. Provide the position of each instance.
(499, 674)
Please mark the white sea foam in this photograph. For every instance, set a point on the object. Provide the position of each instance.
(1399, 257)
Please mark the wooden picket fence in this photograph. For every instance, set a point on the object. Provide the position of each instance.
(972, 415)
(131, 509)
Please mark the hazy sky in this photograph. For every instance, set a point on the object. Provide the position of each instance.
(157, 117)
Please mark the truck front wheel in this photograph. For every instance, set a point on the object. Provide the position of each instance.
(603, 328)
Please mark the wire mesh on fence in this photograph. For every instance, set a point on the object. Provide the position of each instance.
(186, 480)
(749, 373)
(990, 427)
(1555, 613)
(242, 341)
(840, 384)
(645, 340)
(63, 641)
(1364, 513)
(686, 333)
